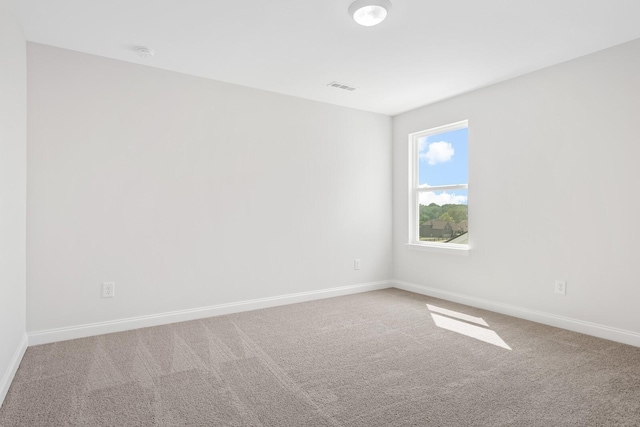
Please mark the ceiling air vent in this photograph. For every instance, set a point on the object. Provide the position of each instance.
(342, 86)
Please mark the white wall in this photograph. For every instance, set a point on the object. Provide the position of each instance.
(189, 192)
(554, 165)
(13, 142)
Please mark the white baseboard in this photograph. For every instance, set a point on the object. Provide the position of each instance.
(5, 382)
(87, 330)
(594, 329)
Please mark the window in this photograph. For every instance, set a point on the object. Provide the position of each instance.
(438, 201)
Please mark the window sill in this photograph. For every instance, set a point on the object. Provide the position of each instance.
(450, 248)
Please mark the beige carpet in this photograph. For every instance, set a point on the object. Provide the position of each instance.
(380, 358)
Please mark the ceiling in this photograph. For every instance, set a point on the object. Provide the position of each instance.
(423, 52)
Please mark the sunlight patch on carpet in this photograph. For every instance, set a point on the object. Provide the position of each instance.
(457, 315)
(467, 329)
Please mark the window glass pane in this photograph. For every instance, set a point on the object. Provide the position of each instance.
(443, 158)
(443, 216)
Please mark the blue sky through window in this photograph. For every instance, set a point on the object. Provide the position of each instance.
(441, 198)
(443, 158)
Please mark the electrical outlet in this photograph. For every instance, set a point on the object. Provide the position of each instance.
(108, 289)
(356, 264)
(561, 287)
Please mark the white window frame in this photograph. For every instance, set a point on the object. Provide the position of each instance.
(414, 190)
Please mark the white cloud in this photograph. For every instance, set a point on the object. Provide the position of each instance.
(442, 198)
(438, 152)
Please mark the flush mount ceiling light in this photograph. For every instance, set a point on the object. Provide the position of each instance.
(369, 12)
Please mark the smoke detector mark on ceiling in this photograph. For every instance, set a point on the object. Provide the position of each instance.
(144, 52)
(342, 86)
